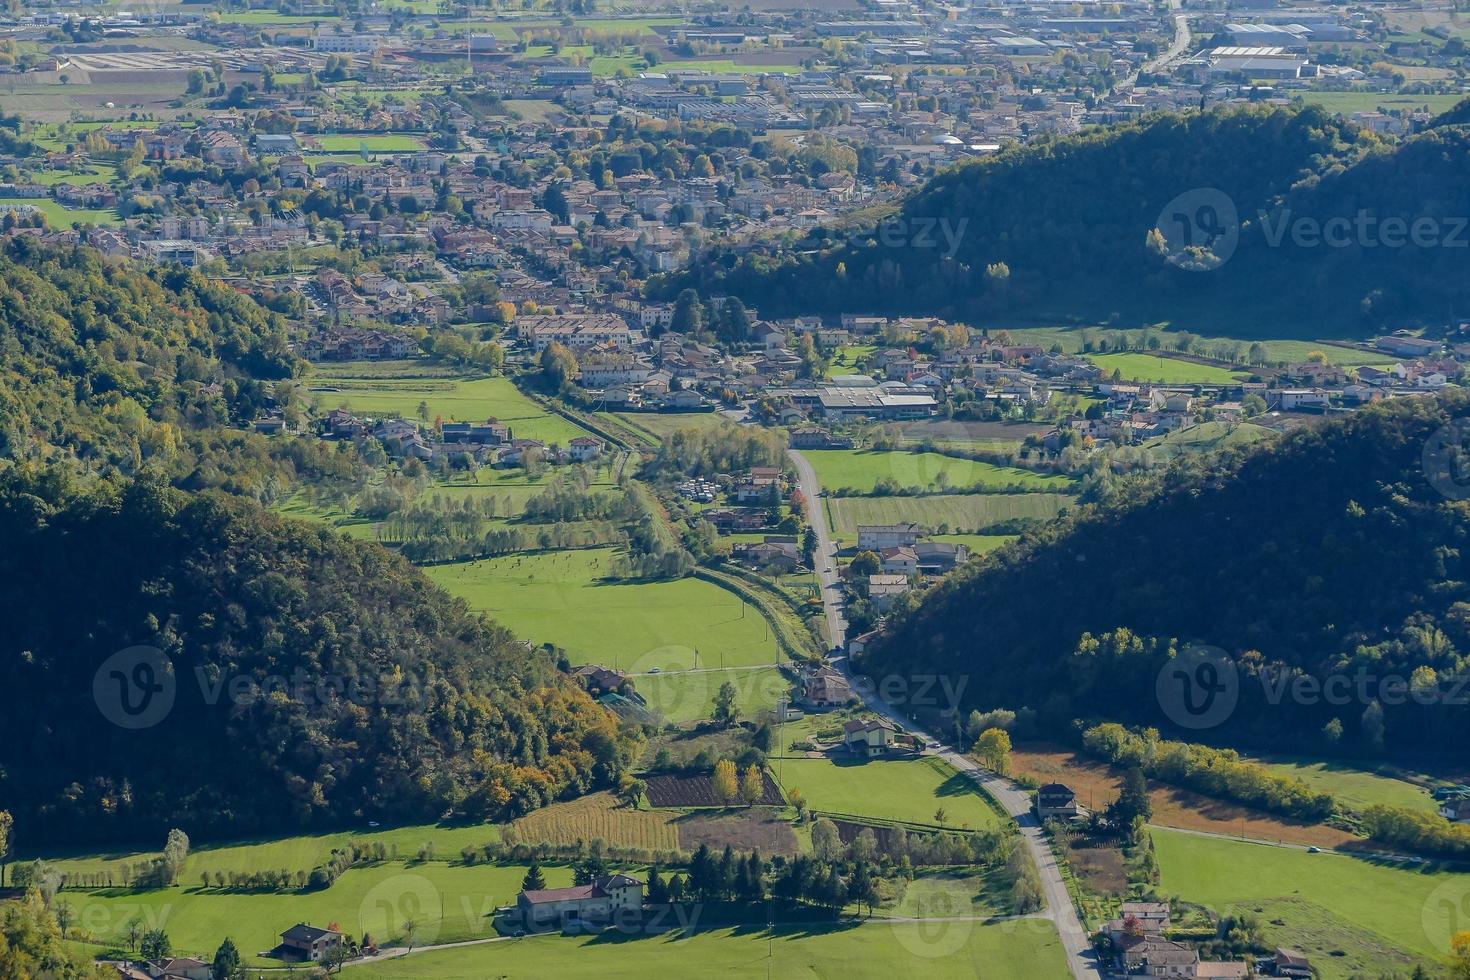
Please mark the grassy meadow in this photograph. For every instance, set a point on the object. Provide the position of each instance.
(860, 470)
(890, 789)
(1018, 950)
(561, 597)
(965, 511)
(450, 398)
(1351, 916)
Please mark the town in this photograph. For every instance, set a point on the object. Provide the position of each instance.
(535, 589)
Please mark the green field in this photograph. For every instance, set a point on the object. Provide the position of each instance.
(661, 425)
(1164, 370)
(1070, 339)
(967, 511)
(845, 360)
(1357, 787)
(449, 902)
(59, 216)
(1347, 103)
(462, 399)
(1018, 950)
(686, 696)
(560, 598)
(389, 143)
(889, 789)
(1208, 437)
(860, 470)
(1350, 916)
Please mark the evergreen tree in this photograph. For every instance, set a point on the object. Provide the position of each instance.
(534, 880)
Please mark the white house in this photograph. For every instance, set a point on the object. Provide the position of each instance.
(594, 904)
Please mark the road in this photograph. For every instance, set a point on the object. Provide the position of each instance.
(1060, 910)
(1182, 37)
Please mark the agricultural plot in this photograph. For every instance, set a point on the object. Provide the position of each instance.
(599, 815)
(1352, 917)
(697, 790)
(955, 511)
(947, 894)
(1019, 950)
(687, 695)
(458, 399)
(1098, 784)
(565, 598)
(889, 789)
(861, 470)
(765, 830)
(1165, 370)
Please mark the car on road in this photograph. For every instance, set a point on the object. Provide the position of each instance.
(1314, 850)
(655, 670)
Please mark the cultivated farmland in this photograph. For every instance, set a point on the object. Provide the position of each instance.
(697, 789)
(599, 815)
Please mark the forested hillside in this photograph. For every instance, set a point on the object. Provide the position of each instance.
(1326, 552)
(313, 680)
(1062, 227)
(117, 366)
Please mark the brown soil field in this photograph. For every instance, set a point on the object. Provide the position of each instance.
(673, 789)
(1097, 784)
(744, 830)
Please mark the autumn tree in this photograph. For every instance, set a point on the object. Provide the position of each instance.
(994, 749)
(726, 787)
(752, 786)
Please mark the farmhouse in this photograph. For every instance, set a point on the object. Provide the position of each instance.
(600, 680)
(309, 942)
(1292, 963)
(868, 738)
(1456, 810)
(593, 904)
(180, 968)
(1056, 800)
(1156, 957)
(584, 449)
(825, 688)
(876, 537)
(884, 589)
